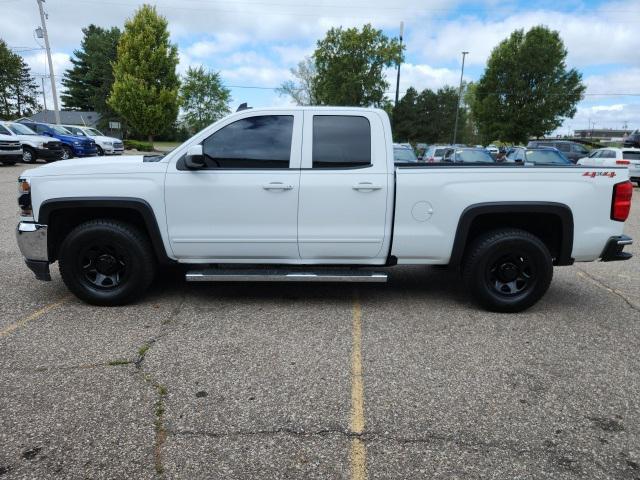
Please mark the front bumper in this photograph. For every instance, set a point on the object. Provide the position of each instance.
(613, 250)
(32, 241)
(49, 154)
(82, 151)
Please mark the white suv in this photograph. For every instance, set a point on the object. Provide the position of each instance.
(106, 145)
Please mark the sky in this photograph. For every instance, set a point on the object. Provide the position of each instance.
(255, 43)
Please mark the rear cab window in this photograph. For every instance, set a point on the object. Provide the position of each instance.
(630, 155)
(341, 141)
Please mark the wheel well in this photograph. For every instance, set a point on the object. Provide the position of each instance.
(63, 220)
(552, 224)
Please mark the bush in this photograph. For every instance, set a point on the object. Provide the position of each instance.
(137, 145)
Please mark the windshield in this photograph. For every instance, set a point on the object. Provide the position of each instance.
(439, 152)
(76, 131)
(403, 155)
(60, 130)
(93, 132)
(631, 155)
(472, 156)
(20, 129)
(546, 157)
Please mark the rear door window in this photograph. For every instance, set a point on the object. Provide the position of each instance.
(341, 141)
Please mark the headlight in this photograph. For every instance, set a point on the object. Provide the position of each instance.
(76, 143)
(109, 144)
(40, 145)
(24, 197)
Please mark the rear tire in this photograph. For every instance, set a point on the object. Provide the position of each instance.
(507, 270)
(107, 262)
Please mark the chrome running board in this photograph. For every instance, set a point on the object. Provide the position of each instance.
(273, 275)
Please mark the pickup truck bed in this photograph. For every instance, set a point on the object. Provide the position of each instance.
(314, 187)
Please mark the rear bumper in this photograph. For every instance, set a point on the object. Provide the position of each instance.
(613, 251)
(32, 241)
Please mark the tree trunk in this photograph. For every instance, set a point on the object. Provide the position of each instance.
(150, 139)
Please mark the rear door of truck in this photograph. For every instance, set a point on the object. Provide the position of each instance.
(344, 188)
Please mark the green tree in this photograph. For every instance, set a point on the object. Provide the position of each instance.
(427, 116)
(301, 91)
(18, 90)
(203, 98)
(350, 66)
(88, 83)
(526, 89)
(145, 87)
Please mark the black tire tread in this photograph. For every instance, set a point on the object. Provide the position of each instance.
(478, 249)
(135, 235)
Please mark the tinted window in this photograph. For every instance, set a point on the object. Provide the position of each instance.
(631, 155)
(341, 141)
(4, 131)
(472, 156)
(564, 147)
(608, 154)
(595, 154)
(41, 128)
(439, 152)
(255, 142)
(579, 149)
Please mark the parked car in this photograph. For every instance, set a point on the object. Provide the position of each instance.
(328, 194)
(434, 153)
(633, 140)
(10, 150)
(403, 153)
(34, 146)
(615, 157)
(572, 150)
(72, 145)
(105, 145)
(537, 156)
(493, 150)
(467, 155)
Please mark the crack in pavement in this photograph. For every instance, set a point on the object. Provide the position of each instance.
(606, 287)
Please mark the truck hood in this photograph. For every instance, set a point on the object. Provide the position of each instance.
(72, 138)
(36, 138)
(96, 166)
(99, 139)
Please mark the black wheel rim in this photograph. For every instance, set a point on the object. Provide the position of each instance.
(103, 266)
(511, 273)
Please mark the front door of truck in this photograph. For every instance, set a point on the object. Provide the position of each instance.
(243, 205)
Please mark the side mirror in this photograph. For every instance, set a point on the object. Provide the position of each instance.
(194, 159)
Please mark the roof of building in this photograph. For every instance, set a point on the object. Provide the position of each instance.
(69, 117)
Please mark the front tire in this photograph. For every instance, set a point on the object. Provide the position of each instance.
(106, 262)
(67, 153)
(100, 151)
(508, 270)
(28, 155)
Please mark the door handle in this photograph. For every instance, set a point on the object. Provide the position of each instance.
(277, 186)
(366, 186)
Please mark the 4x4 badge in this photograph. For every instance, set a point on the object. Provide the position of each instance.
(599, 174)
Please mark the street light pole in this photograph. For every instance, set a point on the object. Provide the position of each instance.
(56, 111)
(398, 77)
(455, 128)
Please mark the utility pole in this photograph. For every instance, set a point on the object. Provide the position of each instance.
(398, 78)
(56, 111)
(44, 97)
(455, 128)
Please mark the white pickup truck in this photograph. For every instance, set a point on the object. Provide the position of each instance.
(312, 194)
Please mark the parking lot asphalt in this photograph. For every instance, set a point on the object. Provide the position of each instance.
(404, 380)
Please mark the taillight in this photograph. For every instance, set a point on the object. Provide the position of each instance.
(431, 159)
(621, 203)
(622, 162)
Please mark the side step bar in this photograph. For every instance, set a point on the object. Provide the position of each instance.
(239, 275)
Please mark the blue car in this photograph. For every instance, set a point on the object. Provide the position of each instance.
(72, 145)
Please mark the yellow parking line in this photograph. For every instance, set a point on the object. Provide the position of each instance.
(9, 329)
(358, 456)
